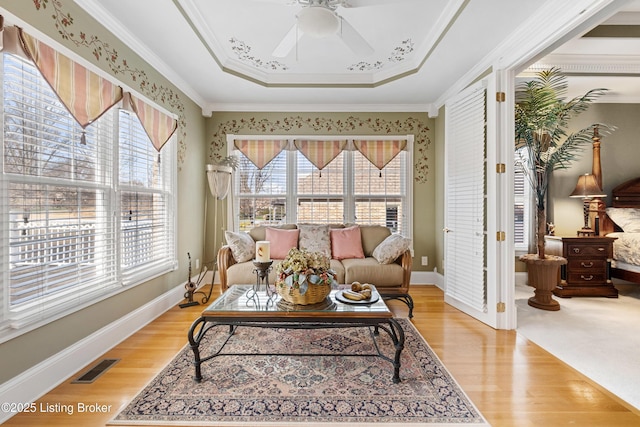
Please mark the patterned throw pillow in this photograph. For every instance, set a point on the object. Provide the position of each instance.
(242, 245)
(391, 248)
(315, 238)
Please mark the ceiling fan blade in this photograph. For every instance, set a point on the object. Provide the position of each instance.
(353, 39)
(288, 42)
(364, 3)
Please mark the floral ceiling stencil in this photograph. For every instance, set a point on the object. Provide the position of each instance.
(243, 52)
(350, 126)
(399, 53)
(103, 52)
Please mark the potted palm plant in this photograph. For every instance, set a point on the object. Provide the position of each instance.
(542, 146)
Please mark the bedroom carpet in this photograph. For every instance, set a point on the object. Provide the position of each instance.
(597, 336)
(325, 390)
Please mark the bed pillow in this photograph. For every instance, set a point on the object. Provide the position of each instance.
(281, 241)
(626, 218)
(315, 238)
(391, 248)
(243, 247)
(346, 243)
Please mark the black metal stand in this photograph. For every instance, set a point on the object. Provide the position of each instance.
(262, 276)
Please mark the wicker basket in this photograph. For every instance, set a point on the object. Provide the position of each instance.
(314, 294)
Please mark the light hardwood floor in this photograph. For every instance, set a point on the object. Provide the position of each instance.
(512, 381)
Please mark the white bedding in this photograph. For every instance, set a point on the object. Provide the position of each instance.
(626, 248)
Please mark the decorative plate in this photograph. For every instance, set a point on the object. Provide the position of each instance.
(375, 296)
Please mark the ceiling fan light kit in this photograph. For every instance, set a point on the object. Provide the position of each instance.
(318, 21)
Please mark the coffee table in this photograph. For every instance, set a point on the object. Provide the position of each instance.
(243, 305)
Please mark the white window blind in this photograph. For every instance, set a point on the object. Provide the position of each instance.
(62, 245)
(465, 242)
(522, 206)
(146, 219)
(61, 242)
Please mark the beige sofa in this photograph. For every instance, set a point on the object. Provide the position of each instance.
(391, 280)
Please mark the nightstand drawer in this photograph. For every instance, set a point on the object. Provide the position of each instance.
(580, 249)
(586, 277)
(587, 264)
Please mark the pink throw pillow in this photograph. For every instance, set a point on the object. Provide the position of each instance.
(346, 243)
(281, 241)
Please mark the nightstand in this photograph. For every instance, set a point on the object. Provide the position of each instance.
(588, 269)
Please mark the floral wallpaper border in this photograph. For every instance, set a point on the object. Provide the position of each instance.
(102, 51)
(351, 125)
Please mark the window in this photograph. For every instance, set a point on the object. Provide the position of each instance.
(349, 189)
(522, 208)
(59, 198)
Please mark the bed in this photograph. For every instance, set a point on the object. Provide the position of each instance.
(622, 221)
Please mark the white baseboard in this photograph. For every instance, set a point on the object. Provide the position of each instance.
(42, 378)
(427, 278)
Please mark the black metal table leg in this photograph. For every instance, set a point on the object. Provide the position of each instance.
(195, 345)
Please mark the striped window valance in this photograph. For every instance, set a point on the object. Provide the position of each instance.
(320, 152)
(261, 151)
(380, 152)
(158, 125)
(84, 93)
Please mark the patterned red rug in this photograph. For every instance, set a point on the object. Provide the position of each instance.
(327, 389)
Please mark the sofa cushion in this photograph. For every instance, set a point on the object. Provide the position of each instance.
(260, 232)
(372, 236)
(242, 245)
(391, 248)
(369, 270)
(315, 238)
(346, 243)
(281, 241)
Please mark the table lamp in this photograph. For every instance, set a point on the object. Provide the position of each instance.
(588, 189)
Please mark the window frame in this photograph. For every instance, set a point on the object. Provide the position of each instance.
(349, 197)
(17, 320)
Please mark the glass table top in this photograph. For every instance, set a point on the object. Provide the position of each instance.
(244, 300)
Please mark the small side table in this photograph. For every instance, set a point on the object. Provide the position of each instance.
(588, 269)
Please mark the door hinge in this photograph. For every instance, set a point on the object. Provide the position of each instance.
(500, 96)
(501, 236)
(501, 307)
(501, 168)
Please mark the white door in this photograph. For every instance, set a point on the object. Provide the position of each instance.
(477, 193)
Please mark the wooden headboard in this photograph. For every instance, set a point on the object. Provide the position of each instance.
(625, 195)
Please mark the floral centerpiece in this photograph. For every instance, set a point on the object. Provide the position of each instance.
(304, 277)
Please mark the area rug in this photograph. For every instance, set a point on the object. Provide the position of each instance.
(332, 387)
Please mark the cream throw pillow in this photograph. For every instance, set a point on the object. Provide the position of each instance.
(391, 248)
(243, 247)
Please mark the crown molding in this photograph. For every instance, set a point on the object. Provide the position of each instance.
(589, 64)
(321, 108)
(100, 14)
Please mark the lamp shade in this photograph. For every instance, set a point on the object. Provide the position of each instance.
(587, 187)
(219, 177)
(318, 21)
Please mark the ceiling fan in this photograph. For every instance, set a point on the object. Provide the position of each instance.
(319, 19)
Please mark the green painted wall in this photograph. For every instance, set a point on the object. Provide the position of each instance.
(419, 124)
(29, 349)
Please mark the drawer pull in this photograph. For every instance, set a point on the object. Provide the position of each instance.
(587, 278)
(576, 250)
(601, 249)
(584, 264)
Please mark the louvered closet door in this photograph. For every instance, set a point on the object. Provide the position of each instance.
(465, 202)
